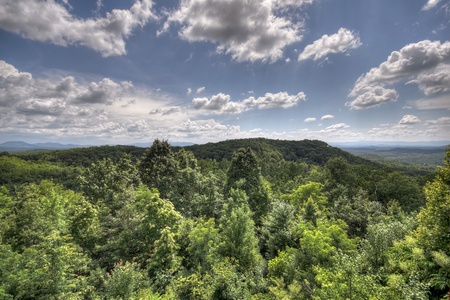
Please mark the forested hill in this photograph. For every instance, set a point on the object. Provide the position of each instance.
(279, 220)
(309, 151)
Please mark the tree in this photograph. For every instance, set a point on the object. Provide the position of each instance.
(43, 259)
(346, 279)
(244, 174)
(159, 167)
(422, 258)
(6, 212)
(303, 193)
(277, 229)
(104, 182)
(355, 211)
(124, 281)
(433, 233)
(238, 232)
(164, 261)
(239, 242)
(194, 194)
(203, 248)
(339, 171)
(292, 272)
(383, 233)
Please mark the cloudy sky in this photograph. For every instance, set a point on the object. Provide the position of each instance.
(124, 71)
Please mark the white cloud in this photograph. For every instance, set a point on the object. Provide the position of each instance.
(335, 127)
(339, 42)
(434, 130)
(200, 90)
(310, 120)
(409, 120)
(396, 132)
(433, 103)
(422, 61)
(430, 4)
(298, 3)
(105, 111)
(248, 30)
(434, 81)
(221, 103)
(189, 91)
(439, 121)
(411, 60)
(106, 91)
(327, 117)
(64, 106)
(50, 21)
(373, 96)
(166, 111)
(210, 126)
(270, 100)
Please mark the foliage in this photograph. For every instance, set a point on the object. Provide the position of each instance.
(15, 171)
(273, 220)
(309, 151)
(244, 174)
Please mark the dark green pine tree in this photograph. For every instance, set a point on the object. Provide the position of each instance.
(245, 174)
(159, 167)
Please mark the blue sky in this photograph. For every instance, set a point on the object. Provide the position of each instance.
(122, 72)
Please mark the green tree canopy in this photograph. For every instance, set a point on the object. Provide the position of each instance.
(244, 174)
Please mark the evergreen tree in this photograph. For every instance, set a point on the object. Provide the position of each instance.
(159, 167)
(244, 173)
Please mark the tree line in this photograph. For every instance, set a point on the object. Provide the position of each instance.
(167, 225)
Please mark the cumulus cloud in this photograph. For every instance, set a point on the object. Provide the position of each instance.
(335, 127)
(270, 100)
(327, 117)
(373, 96)
(27, 102)
(411, 60)
(50, 21)
(219, 103)
(430, 4)
(222, 103)
(409, 120)
(106, 91)
(98, 111)
(45, 107)
(247, 30)
(310, 120)
(434, 81)
(339, 42)
(17, 87)
(423, 61)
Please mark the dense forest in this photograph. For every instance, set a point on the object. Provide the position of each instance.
(242, 219)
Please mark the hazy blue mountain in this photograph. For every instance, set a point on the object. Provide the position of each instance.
(19, 146)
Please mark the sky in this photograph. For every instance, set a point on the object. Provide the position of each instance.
(198, 71)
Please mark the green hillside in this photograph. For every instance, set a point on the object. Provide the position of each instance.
(308, 151)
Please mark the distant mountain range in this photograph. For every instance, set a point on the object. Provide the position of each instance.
(20, 146)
